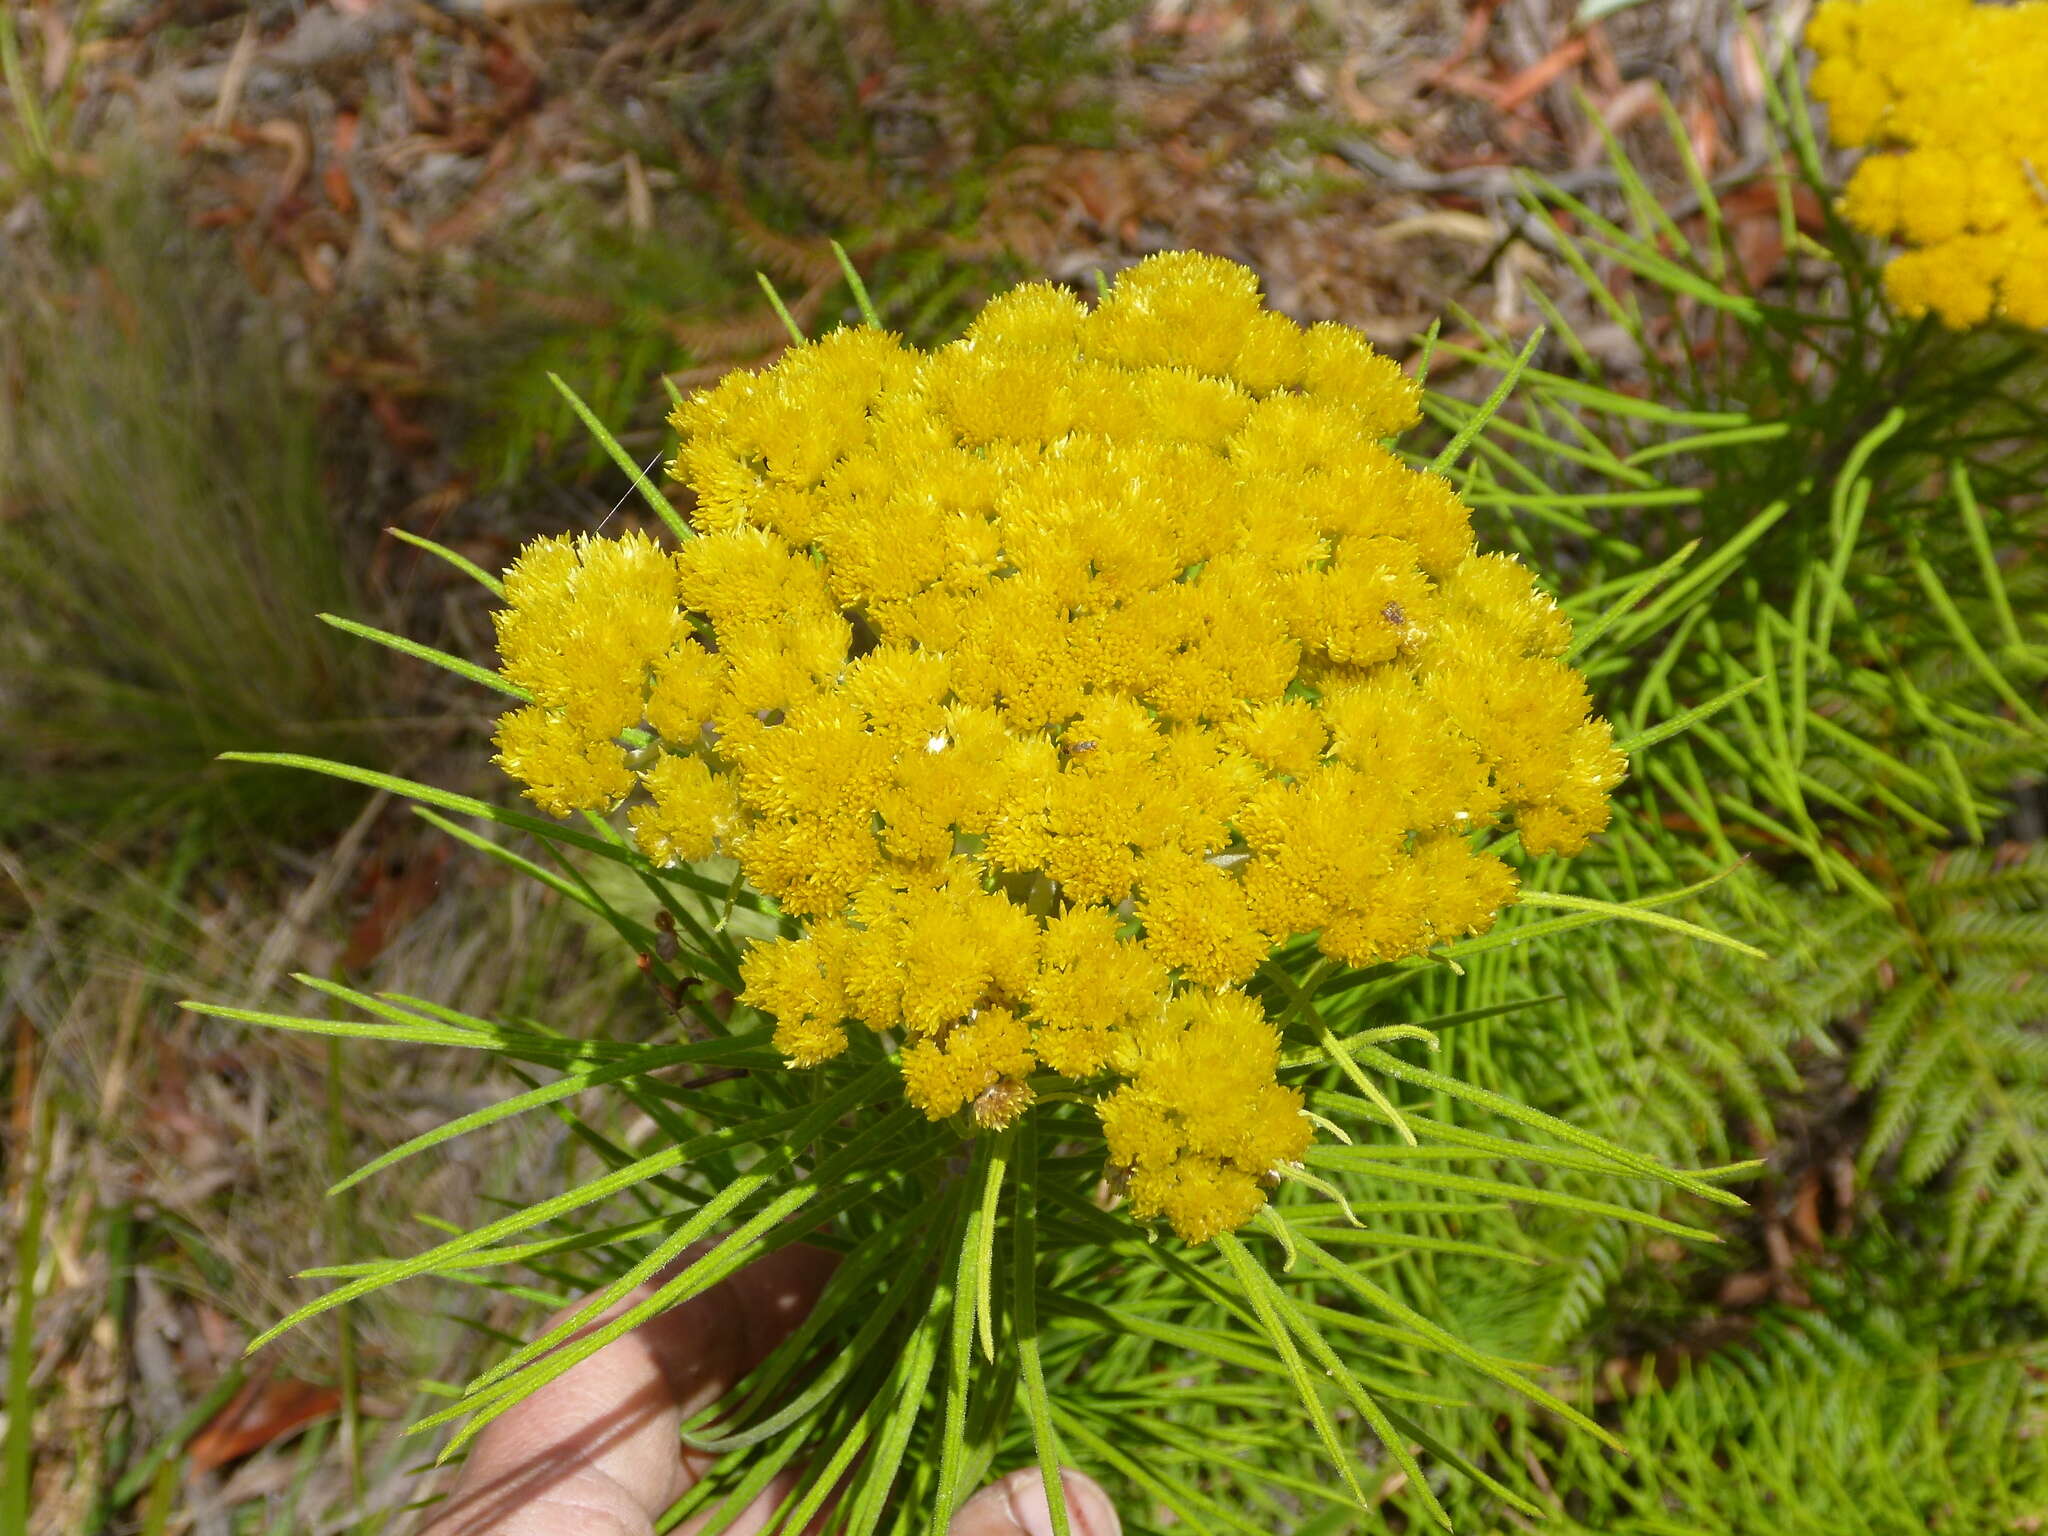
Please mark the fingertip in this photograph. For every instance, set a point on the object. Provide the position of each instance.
(613, 1417)
(771, 1296)
(783, 1287)
(1016, 1506)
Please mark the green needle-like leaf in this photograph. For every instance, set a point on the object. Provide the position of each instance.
(649, 491)
(1636, 913)
(1024, 1317)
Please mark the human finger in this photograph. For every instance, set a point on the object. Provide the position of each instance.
(597, 1450)
(1016, 1506)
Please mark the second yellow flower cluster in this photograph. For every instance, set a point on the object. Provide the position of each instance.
(1960, 92)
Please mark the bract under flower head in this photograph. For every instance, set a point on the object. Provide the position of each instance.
(1052, 678)
(1960, 92)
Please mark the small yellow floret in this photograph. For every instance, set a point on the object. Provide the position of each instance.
(563, 769)
(945, 1072)
(691, 809)
(1344, 369)
(1089, 989)
(1200, 1121)
(1285, 735)
(801, 983)
(686, 688)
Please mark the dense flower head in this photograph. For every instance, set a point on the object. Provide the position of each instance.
(1959, 92)
(1051, 679)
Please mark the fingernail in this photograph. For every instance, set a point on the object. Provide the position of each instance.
(1089, 1512)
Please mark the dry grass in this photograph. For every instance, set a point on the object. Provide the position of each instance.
(186, 1158)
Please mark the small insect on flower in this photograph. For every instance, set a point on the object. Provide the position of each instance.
(980, 654)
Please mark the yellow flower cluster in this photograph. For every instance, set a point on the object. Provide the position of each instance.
(1960, 91)
(1052, 678)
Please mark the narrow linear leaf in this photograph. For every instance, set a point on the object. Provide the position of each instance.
(1349, 1277)
(1259, 1289)
(907, 1385)
(811, 1120)
(1196, 1509)
(1455, 448)
(1677, 725)
(1360, 1160)
(1024, 1313)
(796, 332)
(649, 491)
(435, 1258)
(483, 810)
(1333, 1048)
(1987, 560)
(985, 1244)
(422, 1033)
(1630, 912)
(860, 289)
(1966, 642)
(462, 563)
(965, 1306)
(858, 1350)
(1334, 1368)
(1511, 1109)
(1711, 570)
(1632, 592)
(639, 1065)
(483, 677)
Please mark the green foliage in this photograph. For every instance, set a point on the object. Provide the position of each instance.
(31, 1241)
(38, 137)
(1952, 988)
(602, 317)
(1024, 65)
(93, 974)
(1893, 1404)
(1847, 500)
(167, 541)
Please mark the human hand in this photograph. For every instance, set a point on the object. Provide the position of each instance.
(598, 1452)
